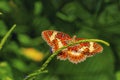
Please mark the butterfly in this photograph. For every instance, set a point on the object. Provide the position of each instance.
(76, 53)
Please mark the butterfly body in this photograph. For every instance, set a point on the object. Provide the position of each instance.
(74, 54)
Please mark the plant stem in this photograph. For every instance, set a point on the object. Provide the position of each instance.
(6, 36)
(41, 70)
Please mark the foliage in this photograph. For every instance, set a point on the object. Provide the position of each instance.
(83, 18)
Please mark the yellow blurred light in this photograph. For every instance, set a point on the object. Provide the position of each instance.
(0, 13)
(33, 54)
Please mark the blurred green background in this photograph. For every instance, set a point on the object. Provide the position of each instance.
(25, 51)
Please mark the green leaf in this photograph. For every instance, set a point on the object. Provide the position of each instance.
(64, 17)
(13, 47)
(96, 65)
(87, 32)
(38, 8)
(5, 71)
(118, 75)
(69, 12)
(5, 6)
(3, 29)
(110, 15)
(24, 39)
(42, 22)
(20, 65)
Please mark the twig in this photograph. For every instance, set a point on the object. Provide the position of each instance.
(6, 36)
(41, 70)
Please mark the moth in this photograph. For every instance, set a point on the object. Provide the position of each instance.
(76, 53)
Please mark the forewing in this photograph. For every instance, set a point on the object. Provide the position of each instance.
(55, 39)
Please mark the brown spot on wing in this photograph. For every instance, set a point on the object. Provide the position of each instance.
(63, 37)
(62, 55)
(55, 45)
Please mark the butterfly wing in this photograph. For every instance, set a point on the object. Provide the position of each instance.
(56, 40)
(80, 52)
(91, 48)
(74, 54)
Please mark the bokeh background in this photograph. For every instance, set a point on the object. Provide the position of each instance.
(25, 50)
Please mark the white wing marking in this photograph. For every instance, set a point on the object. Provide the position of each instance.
(59, 43)
(53, 36)
(91, 48)
(79, 51)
